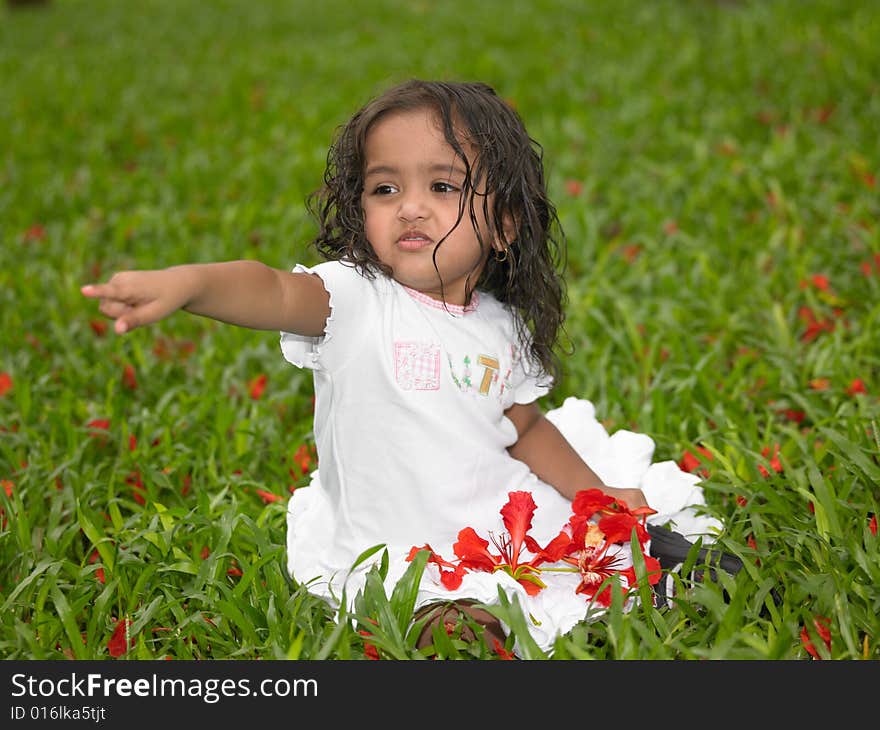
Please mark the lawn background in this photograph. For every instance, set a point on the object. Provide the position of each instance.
(715, 168)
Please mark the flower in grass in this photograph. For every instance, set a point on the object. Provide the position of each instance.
(257, 385)
(99, 326)
(370, 650)
(792, 414)
(137, 486)
(5, 383)
(8, 486)
(691, 463)
(814, 326)
(37, 232)
(304, 458)
(500, 651)
(234, 570)
(872, 525)
(268, 497)
(856, 386)
(121, 641)
(574, 187)
(819, 281)
(822, 625)
(820, 384)
(774, 461)
(129, 379)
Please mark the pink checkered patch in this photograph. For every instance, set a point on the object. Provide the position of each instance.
(417, 365)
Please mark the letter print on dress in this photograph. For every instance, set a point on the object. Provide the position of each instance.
(417, 365)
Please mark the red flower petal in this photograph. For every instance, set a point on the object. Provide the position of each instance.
(268, 497)
(823, 628)
(99, 326)
(872, 525)
(856, 386)
(256, 386)
(589, 501)
(5, 383)
(117, 644)
(7, 486)
(35, 233)
(517, 517)
(574, 187)
(473, 551)
(129, 380)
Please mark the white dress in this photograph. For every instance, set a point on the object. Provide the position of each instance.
(412, 447)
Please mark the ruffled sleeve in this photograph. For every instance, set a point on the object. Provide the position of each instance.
(351, 296)
(529, 380)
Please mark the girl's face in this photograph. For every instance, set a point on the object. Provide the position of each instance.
(412, 192)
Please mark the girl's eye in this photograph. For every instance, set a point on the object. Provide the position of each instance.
(444, 187)
(384, 189)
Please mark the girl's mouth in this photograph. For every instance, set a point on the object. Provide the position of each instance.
(413, 241)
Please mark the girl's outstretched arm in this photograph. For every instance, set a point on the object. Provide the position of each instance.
(553, 460)
(244, 293)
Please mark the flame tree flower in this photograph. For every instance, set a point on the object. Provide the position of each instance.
(598, 522)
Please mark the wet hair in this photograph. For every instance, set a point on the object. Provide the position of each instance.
(505, 183)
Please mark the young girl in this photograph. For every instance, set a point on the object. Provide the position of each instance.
(431, 330)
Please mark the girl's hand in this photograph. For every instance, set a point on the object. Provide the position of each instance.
(137, 298)
(634, 498)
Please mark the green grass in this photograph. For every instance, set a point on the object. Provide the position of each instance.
(707, 160)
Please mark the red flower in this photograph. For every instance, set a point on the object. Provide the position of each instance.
(118, 645)
(99, 326)
(820, 383)
(690, 463)
(99, 574)
(856, 386)
(775, 464)
(872, 525)
(499, 649)
(630, 252)
(256, 386)
(7, 486)
(820, 281)
(35, 233)
(591, 541)
(823, 628)
(583, 543)
(370, 650)
(574, 187)
(5, 383)
(450, 573)
(815, 327)
(129, 380)
(794, 415)
(303, 458)
(269, 497)
(473, 551)
(137, 487)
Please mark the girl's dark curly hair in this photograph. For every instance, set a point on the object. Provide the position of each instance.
(507, 166)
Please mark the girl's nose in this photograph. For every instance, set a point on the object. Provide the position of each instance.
(413, 205)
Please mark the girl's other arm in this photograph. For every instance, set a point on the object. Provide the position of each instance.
(244, 293)
(553, 460)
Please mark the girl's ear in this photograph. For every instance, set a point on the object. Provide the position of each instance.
(503, 242)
